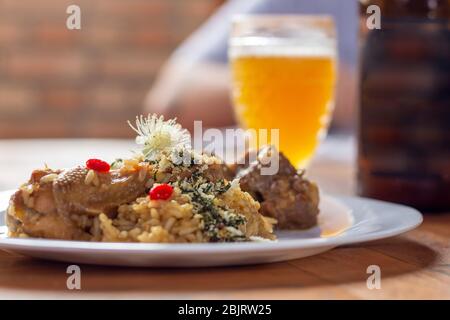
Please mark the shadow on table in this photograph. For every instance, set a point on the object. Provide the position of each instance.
(395, 257)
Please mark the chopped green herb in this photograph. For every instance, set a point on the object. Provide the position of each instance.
(116, 164)
(216, 218)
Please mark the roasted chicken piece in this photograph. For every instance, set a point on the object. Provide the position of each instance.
(50, 204)
(72, 193)
(286, 196)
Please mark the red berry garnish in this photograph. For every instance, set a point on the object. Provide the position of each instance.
(98, 165)
(161, 192)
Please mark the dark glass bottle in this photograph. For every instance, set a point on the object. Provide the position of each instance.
(404, 116)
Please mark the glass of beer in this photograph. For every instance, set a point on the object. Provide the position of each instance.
(283, 77)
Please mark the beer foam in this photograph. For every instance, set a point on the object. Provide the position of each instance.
(259, 46)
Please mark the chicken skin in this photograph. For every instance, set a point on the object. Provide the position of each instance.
(48, 204)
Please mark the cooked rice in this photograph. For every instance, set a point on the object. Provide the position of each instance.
(175, 220)
(89, 177)
(48, 178)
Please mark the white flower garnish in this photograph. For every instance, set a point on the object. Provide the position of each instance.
(157, 135)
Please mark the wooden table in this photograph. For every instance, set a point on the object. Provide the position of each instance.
(413, 265)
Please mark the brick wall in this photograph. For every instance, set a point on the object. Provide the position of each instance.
(56, 82)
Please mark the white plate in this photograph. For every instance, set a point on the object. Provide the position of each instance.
(343, 220)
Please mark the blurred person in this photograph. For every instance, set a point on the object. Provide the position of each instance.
(194, 84)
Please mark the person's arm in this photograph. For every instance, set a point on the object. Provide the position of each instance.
(200, 92)
(194, 83)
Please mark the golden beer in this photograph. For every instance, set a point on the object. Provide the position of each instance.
(277, 85)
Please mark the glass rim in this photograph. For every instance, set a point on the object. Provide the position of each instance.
(251, 24)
